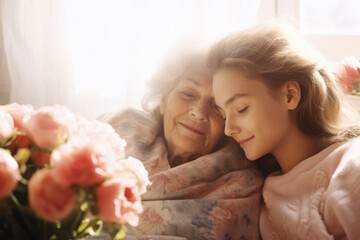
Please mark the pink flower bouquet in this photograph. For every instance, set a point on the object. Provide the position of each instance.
(347, 72)
(63, 176)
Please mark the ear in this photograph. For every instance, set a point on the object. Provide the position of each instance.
(162, 107)
(292, 92)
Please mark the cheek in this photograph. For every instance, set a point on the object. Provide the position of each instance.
(170, 111)
(275, 119)
(175, 108)
(217, 127)
(258, 119)
(167, 125)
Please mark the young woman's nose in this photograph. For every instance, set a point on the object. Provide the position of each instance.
(230, 127)
(200, 111)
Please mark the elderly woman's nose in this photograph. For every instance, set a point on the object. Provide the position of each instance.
(200, 110)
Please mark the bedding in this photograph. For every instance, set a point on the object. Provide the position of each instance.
(216, 196)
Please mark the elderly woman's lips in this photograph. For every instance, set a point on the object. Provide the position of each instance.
(192, 128)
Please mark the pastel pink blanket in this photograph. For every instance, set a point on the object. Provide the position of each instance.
(216, 196)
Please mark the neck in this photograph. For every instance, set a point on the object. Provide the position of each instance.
(296, 148)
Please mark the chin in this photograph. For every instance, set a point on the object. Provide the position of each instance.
(191, 148)
(251, 157)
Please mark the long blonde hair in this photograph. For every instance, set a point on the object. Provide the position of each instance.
(275, 54)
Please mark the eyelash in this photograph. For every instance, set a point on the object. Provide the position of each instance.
(187, 94)
(243, 110)
(240, 111)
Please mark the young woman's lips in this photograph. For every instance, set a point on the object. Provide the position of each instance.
(195, 130)
(244, 142)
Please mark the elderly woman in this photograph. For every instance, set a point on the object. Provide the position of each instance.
(202, 185)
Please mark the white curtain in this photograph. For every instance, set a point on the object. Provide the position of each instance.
(34, 51)
(96, 55)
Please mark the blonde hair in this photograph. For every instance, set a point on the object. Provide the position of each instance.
(276, 53)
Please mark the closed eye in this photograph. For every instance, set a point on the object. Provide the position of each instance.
(243, 110)
(187, 95)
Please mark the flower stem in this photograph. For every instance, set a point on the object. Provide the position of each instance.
(44, 230)
(21, 210)
(14, 199)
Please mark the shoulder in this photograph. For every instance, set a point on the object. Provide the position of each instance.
(134, 125)
(343, 194)
(346, 155)
(350, 159)
(124, 114)
(345, 178)
(353, 145)
(129, 117)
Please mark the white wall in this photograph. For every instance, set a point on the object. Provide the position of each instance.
(334, 47)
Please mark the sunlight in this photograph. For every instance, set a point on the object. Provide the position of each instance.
(116, 46)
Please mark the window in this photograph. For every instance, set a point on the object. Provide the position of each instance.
(331, 26)
(337, 17)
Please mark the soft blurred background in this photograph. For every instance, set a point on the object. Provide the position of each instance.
(95, 56)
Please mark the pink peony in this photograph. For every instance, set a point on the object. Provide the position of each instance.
(47, 124)
(9, 173)
(18, 112)
(103, 132)
(347, 71)
(118, 199)
(83, 161)
(6, 125)
(137, 168)
(49, 199)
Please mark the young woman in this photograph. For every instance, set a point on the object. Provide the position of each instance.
(277, 97)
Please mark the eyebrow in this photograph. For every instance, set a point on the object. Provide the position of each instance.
(192, 80)
(234, 97)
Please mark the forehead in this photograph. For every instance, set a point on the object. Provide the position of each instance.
(232, 79)
(197, 73)
(229, 82)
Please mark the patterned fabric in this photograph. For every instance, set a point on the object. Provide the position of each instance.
(216, 196)
(318, 199)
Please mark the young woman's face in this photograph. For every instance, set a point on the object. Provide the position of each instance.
(256, 117)
(192, 123)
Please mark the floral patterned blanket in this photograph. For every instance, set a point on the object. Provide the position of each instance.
(216, 196)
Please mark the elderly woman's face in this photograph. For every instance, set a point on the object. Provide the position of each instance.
(192, 123)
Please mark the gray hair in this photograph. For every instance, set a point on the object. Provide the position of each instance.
(177, 59)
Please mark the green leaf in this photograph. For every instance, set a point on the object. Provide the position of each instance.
(356, 89)
(120, 234)
(22, 155)
(84, 224)
(47, 149)
(92, 227)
